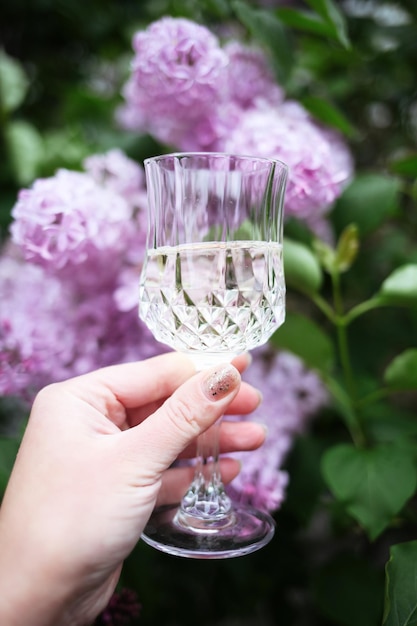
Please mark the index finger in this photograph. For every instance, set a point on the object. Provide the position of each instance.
(115, 389)
(152, 380)
(139, 384)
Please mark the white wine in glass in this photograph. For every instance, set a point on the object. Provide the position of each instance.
(212, 286)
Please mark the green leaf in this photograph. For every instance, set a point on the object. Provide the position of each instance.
(401, 286)
(342, 258)
(13, 83)
(401, 373)
(304, 20)
(328, 10)
(329, 115)
(271, 32)
(347, 248)
(219, 8)
(325, 254)
(373, 484)
(307, 340)
(25, 147)
(368, 201)
(63, 147)
(345, 577)
(302, 270)
(400, 607)
(382, 424)
(406, 166)
(8, 451)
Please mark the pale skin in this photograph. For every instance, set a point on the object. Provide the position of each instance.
(93, 463)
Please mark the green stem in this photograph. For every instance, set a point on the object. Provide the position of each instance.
(342, 337)
(363, 307)
(375, 396)
(324, 307)
(347, 400)
(345, 405)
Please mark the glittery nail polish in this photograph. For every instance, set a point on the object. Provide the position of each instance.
(220, 382)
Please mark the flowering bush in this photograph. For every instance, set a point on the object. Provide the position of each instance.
(74, 237)
(316, 85)
(191, 93)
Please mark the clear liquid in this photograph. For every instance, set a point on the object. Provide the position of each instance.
(213, 297)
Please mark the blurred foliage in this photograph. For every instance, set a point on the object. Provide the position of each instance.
(352, 309)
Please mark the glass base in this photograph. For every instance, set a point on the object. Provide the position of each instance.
(244, 531)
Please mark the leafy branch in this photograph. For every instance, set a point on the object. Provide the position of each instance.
(358, 473)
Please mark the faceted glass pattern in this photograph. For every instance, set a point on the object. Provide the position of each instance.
(220, 298)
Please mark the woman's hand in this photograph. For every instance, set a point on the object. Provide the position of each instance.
(93, 463)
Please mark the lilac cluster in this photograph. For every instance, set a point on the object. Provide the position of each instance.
(193, 94)
(74, 237)
(292, 395)
(76, 217)
(177, 67)
(318, 161)
(36, 334)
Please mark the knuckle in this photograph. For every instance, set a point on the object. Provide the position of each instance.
(182, 417)
(46, 394)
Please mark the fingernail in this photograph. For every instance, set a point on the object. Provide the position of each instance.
(248, 357)
(266, 429)
(220, 382)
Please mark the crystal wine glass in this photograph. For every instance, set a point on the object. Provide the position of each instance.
(212, 286)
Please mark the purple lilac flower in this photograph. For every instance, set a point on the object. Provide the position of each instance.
(194, 95)
(37, 335)
(249, 77)
(246, 80)
(67, 218)
(80, 321)
(115, 171)
(176, 73)
(292, 394)
(319, 162)
(94, 217)
(50, 330)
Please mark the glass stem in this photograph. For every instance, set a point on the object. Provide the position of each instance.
(206, 497)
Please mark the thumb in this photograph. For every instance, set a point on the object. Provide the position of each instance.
(192, 408)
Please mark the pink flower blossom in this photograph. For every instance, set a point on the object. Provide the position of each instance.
(189, 92)
(176, 72)
(37, 335)
(319, 162)
(249, 77)
(116, 172)
(62, 316)
(292, 394)
(50, 330)
(64, 219)
(95, 217)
